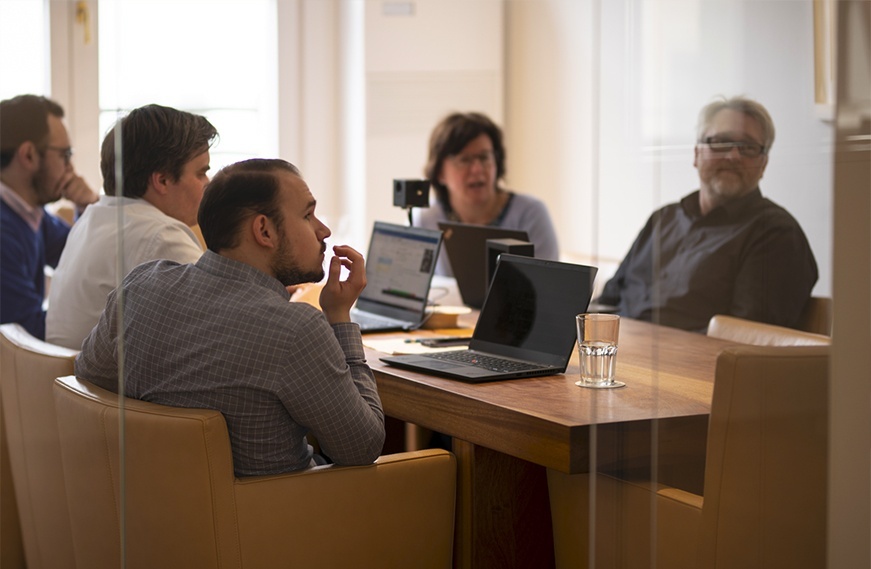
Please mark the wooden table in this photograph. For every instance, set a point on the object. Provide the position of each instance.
(507, 432)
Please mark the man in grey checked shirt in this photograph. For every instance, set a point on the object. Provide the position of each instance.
(221, 333)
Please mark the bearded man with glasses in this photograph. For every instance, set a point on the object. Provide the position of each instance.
(723, 249)
(35, 169)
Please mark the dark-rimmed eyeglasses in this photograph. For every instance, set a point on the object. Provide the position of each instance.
(66, 152)
(465, 161)
(723, 146)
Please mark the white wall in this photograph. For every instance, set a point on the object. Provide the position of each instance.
(424, 59)
(602, 103)
(551, 115)
(598, 100)
(321, 106)
(74, 81)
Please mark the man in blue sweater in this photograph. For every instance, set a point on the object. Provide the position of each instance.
(35, 169)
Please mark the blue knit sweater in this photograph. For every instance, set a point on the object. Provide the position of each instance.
(24, 255)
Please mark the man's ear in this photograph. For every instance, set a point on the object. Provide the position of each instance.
(28, 155)
(696, 156)
(160, 182)
(263, 231)
(764, 165)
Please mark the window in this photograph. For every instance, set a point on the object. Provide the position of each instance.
(23, 31)
(217, 59)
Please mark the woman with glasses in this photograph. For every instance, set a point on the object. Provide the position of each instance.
(466, 165)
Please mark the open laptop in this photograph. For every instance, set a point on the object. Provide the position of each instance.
(399, 269)
(466, 246)
(526, 328)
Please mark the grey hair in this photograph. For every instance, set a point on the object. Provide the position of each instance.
(741, 104)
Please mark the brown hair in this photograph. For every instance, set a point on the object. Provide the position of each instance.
(25, 119)
(237, 191)
(450, 136)
(153, 139)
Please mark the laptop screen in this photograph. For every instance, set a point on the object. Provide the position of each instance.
(400, 265)
(531, 307)
(466, 246)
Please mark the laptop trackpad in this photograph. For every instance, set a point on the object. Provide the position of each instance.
(435, 364)
(468, 370)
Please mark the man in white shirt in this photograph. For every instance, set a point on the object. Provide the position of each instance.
(146, 213)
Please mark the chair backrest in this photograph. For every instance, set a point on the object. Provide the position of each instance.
(816, 317)
(765, 475)
(11, 547)
(28, 368)
(760, 334)
(183, 507)
(174, 485)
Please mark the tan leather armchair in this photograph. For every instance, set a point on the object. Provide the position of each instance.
(11, 546)
(764, 503)
(816, 317)
(185, 508)
(28, 368)
(760, 334)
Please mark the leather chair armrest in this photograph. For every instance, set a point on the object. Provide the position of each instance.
(679, 522)
(680, 497)
(625, 522)
(761, 334)
(398, 512)
(677, 525)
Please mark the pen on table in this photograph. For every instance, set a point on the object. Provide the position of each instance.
(439, 341)
(436, 338)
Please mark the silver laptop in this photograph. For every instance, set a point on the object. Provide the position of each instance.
(526, 328)
(399, 269)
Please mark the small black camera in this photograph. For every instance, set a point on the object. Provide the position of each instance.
(411, 193)
(495, 247)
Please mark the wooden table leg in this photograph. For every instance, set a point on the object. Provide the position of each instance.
(503, 512)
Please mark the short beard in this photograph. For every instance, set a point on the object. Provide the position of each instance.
(293, 276)
(44, 195)
(288, 273)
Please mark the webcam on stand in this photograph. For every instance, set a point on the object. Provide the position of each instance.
(410, 193)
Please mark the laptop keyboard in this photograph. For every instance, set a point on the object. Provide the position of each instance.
(487, 362)
(368, 320)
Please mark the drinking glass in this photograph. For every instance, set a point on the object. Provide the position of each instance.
(597, 350)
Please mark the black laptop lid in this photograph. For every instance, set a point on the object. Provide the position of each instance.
(466, 246)
(530, 309)
(399, 269)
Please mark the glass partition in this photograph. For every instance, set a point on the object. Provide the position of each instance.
(600, 104)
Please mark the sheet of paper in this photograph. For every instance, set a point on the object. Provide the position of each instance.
(399, 346)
